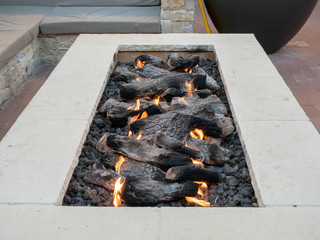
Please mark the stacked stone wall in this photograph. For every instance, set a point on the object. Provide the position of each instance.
(177, 16)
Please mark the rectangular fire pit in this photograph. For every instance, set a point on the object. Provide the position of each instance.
(41, 150)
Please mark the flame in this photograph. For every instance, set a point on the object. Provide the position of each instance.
(130, 133)
(134, 118)
(117, 192)
(197, 201)
(139, 136)
(197, 162)
(182, 100)
(186, 144)
(156, 100)
(137, 105)
(202, 188)
(143, 115)
(197, 133)
(197, 65)
(190, 71)
(140, 64)
(189, 88)
(138, 79)
(119, 163)
(129, 108)
(186, 69)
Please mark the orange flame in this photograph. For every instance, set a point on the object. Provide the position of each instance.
(139, 136)
(140, 64)
(197, 65)
(117, 192)
(119, 163)
(202, 188)
(156, 100)
(189, 88)
(129, 108)
(182, 100)
(130, 133)
(186, 144)
(197, 133)
(190, 71)
(197, 162)
(197, 201)
(137, 105)
(138, 79)
(134, 118)
(143, 115)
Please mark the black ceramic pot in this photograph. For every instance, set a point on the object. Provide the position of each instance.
(273, 22)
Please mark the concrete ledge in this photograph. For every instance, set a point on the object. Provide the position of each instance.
(34, 222)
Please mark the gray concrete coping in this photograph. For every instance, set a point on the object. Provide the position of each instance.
(40, 152)
(36, 222)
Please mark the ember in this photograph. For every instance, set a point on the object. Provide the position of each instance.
(164, 137)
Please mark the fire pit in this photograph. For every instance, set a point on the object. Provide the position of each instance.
(162, 136)
(40, 152)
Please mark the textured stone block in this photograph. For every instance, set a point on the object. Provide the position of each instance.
(182, 27)
(182, 16)
(48, 43)
(165, 15)
(190, 5)
(165, 26)
(172, 4)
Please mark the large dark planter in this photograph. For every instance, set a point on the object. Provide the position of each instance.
(273, 22)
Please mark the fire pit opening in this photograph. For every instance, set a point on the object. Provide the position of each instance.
(163, 135)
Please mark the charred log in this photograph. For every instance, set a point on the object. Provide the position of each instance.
(134, 168)
(125, 73)
(149, 59)
(144, 152)
(175, 61)
(203, 93)
(205, 111)
(173, 124)
(216, 103)
(171, 93)
(151, 71)
(211, 83)
(118, 117)
(141, 192)
(165, 141)
(192, 172)
(102, 177)
(210, 153)
(159, 85)
(209, 128)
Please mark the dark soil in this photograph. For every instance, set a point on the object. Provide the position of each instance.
(235, 188)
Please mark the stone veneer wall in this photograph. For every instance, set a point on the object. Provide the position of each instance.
(177, 16)
(16, 71)
(53, 47)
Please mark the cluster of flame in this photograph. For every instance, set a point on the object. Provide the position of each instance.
(195, 133)
(203, 187)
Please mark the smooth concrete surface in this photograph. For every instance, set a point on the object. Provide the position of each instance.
(255, 88)
(36, 222)
(284, 157)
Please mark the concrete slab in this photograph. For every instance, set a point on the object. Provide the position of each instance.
(261, 98)
(236, 223)
(284, 161)
(38, 158)
(33, 223)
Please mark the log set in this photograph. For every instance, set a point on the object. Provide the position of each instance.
(156, 86)
(192, 172)
(141, 192)
(144, 152)
(159, 159)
